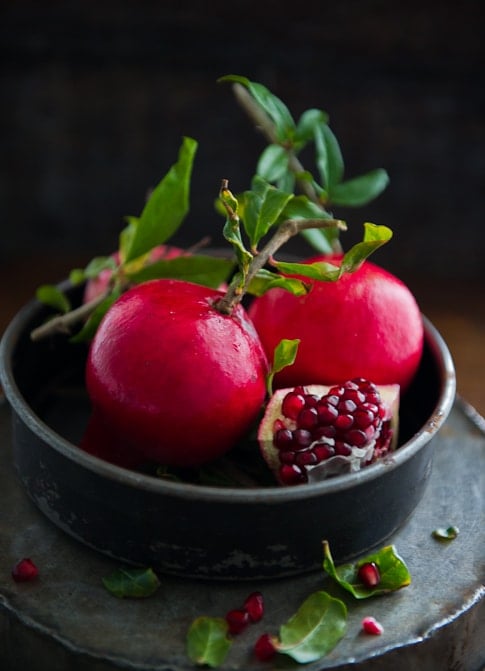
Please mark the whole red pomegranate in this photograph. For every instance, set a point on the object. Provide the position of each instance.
(171, 377)
(366, 324)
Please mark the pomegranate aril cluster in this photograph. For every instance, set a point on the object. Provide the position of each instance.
(313, 429)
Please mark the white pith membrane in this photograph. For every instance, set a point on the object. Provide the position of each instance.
(383, 437)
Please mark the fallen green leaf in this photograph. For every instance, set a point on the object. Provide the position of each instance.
(394, 573)
(314, 630)
(132, 583)
(207, 641)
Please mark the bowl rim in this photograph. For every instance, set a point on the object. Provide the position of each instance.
(230, 495)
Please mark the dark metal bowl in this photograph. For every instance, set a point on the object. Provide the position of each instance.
(202, 531)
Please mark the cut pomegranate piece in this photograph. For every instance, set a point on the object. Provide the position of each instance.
(310, 433)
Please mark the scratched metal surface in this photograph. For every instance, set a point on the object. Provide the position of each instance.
(66, 620)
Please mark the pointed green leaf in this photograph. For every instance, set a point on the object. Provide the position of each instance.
(166, 207)
(262, 210)
(310, 120)
(269, 103)
(320, 270)
(314, 630)
(127, 235)
(394, 573)
(329, 158)
(359, 190)
(98, 264)
(132, 583)
(51, 295)
(210, 271)
(374, 237)
(208, 642)
(284, 355)
(265, 280)
(272, 163)
(91, 325)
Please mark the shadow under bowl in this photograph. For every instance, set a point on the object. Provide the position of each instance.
(204, 531)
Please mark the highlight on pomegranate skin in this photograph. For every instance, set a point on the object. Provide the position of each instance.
(314, 432)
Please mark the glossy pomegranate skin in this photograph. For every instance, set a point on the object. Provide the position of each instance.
(367, 324)
(174, 377)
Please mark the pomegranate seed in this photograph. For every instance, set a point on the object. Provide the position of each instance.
(342, 448)
(264, 648)
(306, 458)
(25, 570)
(344, 422)
(302, 438)
(283, 439)
(292, 404)
(308, 418)
(371, 626)
(369, 575)
(323, 452)
(291, 474)
(237, 620)
(311, 400)
(254, 605)
(327, 413)
(356, 437)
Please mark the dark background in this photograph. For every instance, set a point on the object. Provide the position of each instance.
(96, 96)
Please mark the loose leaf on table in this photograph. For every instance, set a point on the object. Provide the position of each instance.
(165, 209)
(393, 572)
(314, 630)
(132, 583)
(207, 641)
(445, 534)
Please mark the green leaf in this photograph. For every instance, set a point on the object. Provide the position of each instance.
(166, 207)
(359, 190)
(98, 264)
(314, 630)
(374, 237)
(320, 270)
(329, 158)
(51, 295)
(310, 120)
(284, 355)
(207, 641)
(210, 271)
(132, 583)
(394, 573)
(265, 280)
(269, 103)
(273, 163)
(445, 534)
(262, 209)
(91, 325)
(77, 276)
